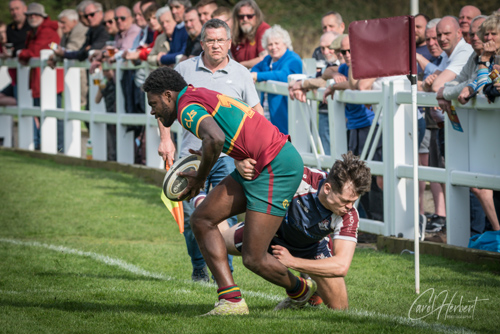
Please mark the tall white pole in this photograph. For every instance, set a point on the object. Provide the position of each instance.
(416, 212)
(414, 7)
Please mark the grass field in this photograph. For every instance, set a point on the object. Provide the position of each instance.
(91, 251)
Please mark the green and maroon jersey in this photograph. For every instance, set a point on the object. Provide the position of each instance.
(248, 133)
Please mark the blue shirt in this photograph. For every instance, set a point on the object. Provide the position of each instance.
(177, 45)
(436, 63)
(424, 51)
(358, 116)
(289, 63)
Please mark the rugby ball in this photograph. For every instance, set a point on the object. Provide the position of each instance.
(173, 184)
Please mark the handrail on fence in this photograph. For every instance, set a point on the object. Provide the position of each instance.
(472, 157)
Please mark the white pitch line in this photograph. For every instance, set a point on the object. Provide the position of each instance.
(141, 272)
(98, 257)
(125, 266)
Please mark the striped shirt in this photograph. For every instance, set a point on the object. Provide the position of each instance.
(247, 133)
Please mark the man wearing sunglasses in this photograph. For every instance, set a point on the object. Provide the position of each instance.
(110, 24)
(248, 29)
(127, 29)
(80, 9)
(124, 40)
(96, 35)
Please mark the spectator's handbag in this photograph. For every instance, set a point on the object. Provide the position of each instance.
(491, 92)
(489, 241)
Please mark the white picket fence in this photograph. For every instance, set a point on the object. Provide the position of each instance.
(472, 157)
(96, 116)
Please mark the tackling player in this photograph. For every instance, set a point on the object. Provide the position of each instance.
(229, 125)
(318, 235)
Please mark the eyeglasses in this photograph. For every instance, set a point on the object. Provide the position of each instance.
(108, 22)
(90, 14)
(210, 42)
(248, 16)
(120, 18)
(344, 52)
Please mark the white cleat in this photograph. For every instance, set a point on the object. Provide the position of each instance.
(225, 307)
(289, 303)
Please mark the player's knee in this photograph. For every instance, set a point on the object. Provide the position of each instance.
(252, 263)
(198, 222)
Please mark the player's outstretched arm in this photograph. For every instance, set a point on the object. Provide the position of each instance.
(335, 266)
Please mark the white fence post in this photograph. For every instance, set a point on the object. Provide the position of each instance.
(6, 130)
(152, 135)
(97, 130)
(457, 198)
(72, 102)
(309, 67)
(296, 121)
(48, 100)
(124, 140)
(397, 150)
(337, 124)
(24, 101)
(152, 140)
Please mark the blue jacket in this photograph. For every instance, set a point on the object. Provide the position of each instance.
(289, 63)
(177, 45)
(358, 116)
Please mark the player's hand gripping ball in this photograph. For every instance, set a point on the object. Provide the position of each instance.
(173, 184)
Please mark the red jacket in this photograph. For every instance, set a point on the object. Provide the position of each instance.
(145, 51)
(45, 34)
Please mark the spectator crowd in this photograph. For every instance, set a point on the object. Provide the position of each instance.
(229, 49)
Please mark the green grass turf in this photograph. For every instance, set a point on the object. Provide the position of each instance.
(91, 251)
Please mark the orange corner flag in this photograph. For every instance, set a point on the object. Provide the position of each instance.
(175, 208)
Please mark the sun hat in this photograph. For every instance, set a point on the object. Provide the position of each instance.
(37, 9)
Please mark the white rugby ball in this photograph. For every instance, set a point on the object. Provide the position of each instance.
(174, 184)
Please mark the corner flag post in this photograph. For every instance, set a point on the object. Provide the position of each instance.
(390, 42)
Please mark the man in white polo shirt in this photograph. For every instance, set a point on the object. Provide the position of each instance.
(212, 69)
(457, 51)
